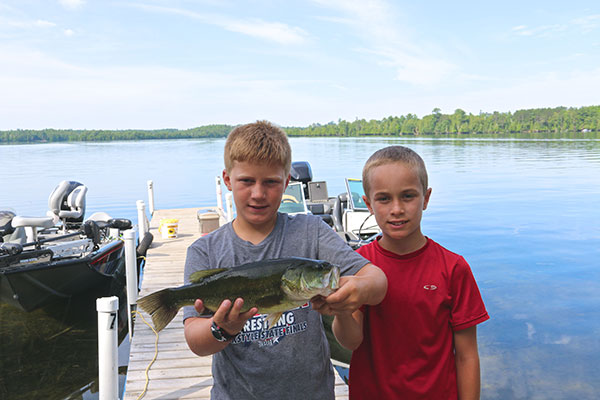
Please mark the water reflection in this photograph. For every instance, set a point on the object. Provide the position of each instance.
(52, 353)
(522, 210)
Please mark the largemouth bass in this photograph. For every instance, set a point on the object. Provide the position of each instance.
(273, 286)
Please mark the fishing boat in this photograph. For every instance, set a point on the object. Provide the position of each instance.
(346, 212)
(59, 256)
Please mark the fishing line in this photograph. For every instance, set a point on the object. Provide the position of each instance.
(153, 359)
(368, 227)
(361, 225)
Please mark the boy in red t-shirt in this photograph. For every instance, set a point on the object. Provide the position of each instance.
(420, 342)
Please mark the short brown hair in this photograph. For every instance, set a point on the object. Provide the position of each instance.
(260, 141)
(393, 154)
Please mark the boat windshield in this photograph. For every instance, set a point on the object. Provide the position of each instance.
(293, 201)
(355, 194)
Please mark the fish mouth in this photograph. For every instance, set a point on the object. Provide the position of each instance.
(304, 287)
(330, 282)
(334, 278)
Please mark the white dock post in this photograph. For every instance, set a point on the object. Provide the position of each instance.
(108, 359)
(151, 197)
(131, 275)
(219, 193)
(142, 221)
(229, 205)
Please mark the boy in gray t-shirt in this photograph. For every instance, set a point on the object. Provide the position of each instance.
(290, 359)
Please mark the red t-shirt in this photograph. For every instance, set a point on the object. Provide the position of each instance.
(407, 351)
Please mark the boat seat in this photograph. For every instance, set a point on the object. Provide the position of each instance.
(100, 216)
(67, 202)
(341, 203)
(31, 225)
(38, 222)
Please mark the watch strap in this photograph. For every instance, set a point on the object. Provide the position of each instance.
(220, 334)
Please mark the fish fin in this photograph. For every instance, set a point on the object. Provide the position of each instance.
(273, 318)
(160, 307)
(198, 276)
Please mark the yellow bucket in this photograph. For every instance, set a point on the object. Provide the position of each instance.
(168, 228)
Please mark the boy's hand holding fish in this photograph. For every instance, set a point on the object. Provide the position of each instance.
(353, 292)
(229, 316)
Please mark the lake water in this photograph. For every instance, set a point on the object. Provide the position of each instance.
(523, 212)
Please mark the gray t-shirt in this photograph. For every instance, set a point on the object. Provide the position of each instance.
(291, 359)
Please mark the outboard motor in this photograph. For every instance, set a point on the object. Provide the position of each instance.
(67, 202)
(301, 172)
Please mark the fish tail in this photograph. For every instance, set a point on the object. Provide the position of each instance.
(161, 308)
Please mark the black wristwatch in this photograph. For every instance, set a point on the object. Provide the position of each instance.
(220, 334)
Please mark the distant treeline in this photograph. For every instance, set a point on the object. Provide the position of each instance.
(539, 121)
(74, 135)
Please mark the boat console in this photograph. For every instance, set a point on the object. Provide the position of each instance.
(315, 193)
(346, 213)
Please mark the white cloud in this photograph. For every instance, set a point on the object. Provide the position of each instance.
(564, 339)
(540, 31)
(588, 23)
(413, 68)
(272, 31)
(71, 4)
(29, 24)
(575, 88)
(378, 25)
(69, 32)
(46, 92)
(44, 24)
(584, 24)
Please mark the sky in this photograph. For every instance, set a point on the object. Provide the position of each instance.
(154, 64)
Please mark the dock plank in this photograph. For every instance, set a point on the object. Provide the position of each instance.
(177, 373)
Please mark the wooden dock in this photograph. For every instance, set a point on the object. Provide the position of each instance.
(177, 373)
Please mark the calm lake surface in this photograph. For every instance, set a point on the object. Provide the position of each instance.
(525, 213)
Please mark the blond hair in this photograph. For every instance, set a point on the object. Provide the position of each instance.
(258, 142)
(392, 154)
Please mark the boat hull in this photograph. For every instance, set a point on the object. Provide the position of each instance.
(33, 285)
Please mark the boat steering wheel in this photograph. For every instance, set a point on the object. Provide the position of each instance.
(288, 198)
